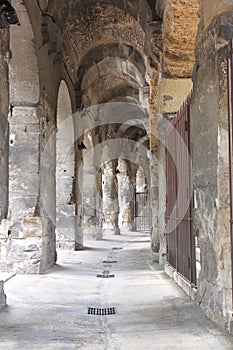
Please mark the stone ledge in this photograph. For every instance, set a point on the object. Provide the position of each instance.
(187, 287)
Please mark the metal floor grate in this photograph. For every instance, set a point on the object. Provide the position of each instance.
(104, 275)
(101, 312)
(109, 262)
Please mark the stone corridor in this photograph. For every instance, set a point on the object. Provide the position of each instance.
(51, 311)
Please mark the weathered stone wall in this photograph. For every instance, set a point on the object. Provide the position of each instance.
(211, 168)
(4, 146)
(4, 105)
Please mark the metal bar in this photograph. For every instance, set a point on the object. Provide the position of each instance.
(230, 129)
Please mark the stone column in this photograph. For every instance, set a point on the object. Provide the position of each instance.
(65, 205)
(78, 199)
(125, 197)
(91, 224)
(21, 249)
(110, 198)
(154, 190)
(24, 244)
(140, 181)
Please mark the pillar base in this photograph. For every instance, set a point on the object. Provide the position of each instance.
(22, 246)
(112, 231)
(116, 231)
(78, 246)
(92, 232)
(126, 227)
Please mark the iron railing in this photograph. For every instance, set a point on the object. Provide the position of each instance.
(142, 212)
(179, 196)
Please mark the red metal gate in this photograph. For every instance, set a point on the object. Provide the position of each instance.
(230, 122)
(179, 233)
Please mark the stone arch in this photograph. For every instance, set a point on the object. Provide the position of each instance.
(65, 163)
(110, 71)
(131, 126)
(121, 68)
(23, 68)
(140, 10)
(119, 28)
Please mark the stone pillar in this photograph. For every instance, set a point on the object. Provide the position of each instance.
(209, 125)
(125, 197)
(110, 199)
(91, 224)
(154, 190)
(65, 205)
(132, 175)
(24, 243)
(21, 233)
(162, 127)
(141, 185)
(78, 199)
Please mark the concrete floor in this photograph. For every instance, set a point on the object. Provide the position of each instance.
(152, 312)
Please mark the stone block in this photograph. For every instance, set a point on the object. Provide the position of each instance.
(21, 207)
(65, 244)
(22, 184)
(30, 266)
(24, 116)
(32, 227)
(24, 157)
(19, 137)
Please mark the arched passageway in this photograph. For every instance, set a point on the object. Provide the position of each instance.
(88, 93)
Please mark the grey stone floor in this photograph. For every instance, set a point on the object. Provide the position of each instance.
(51, 311)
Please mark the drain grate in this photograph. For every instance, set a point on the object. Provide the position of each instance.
(104, 275)
(101, 312)
(117, 248)
(109, 262)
